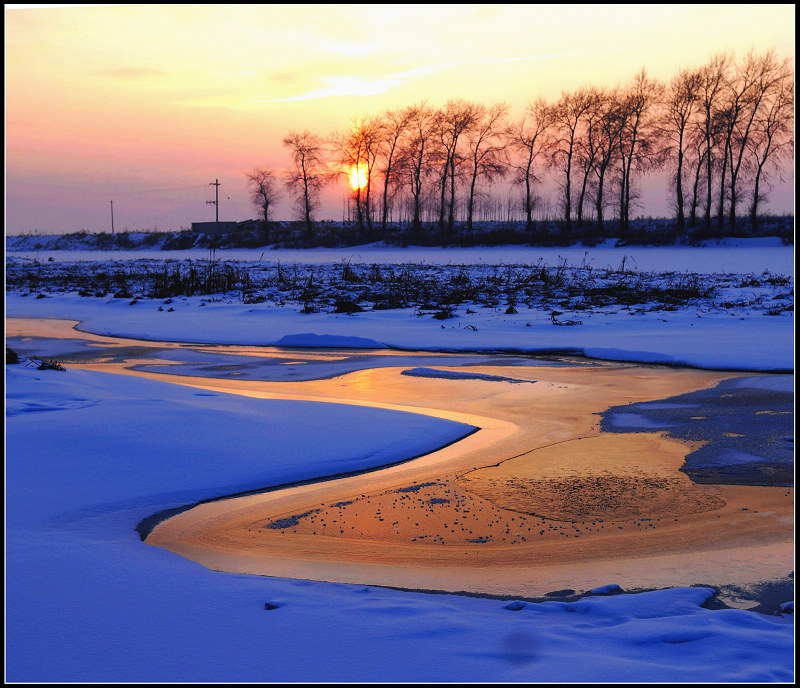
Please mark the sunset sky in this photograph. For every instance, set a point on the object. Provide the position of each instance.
(147, 105)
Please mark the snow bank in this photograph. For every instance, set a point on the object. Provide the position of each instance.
(89, 455)
(717, 340)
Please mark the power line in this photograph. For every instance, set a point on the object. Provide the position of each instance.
(215, 202)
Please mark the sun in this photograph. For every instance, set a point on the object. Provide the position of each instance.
(358, 177)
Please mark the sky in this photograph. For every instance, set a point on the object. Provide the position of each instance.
(146, 106)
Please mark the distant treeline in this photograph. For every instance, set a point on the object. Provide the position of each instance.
(723, 130)
(258, 234)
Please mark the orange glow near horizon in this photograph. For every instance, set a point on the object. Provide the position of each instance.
(358, 177)
(175, 96)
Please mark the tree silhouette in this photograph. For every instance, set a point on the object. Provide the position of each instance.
(772, 139)
(452, 124)
(639, 144)
(264, 189)
(308, 174)
(610, 125)
(416, 156)
(487, 158)
(394, 124)
(527, 138)
(712, 80)
(757, 79)
(681, 101)
(725, 127)
(567, 115)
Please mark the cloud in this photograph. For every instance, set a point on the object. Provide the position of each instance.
(358, 86)
(131, 73)
(350, 49)
(346, 86)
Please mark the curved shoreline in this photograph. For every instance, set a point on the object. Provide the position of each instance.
(146, 525)
(576, 352)
(237, 536)
(514, 447)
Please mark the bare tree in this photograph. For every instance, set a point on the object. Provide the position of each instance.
(393, 126)
(722, 126)
(372, 135)
(698, 160)
(712, 81)
(758, 77)
(264, 189)
(681, 103)
(528, 138)
(639, 145)
(772, 140)
(610, 125)
(349, 147)
(308, 174)
(357, 151)
(588, 146)
(452, 123)
(487, 157)
(567, 115)
(737, 95)
(416, 156)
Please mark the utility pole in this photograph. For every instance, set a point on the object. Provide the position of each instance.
(112, 218)
(215, 202)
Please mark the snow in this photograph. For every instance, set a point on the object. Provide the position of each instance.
(87, 601)
(634, 420)
(459, 375)
(775, 384)
(730, 255)
(667, 337)
(310, 340)
(744, 302)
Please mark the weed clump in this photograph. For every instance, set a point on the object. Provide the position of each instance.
(48, 365)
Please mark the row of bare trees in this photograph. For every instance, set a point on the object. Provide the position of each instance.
(722, 130)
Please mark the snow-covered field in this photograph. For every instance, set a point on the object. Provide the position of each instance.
(725, 255)
(91, 454)
(674, 305)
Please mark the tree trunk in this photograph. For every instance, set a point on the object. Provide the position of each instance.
(721, 205)
(732, 209)
(452, 209)
(471, 198)
(599, 202)
(359, 211)
(443, 196)
(568, 194)
(368, 208)
(386, 182)
(528, 203)
(708, 186)
(754, 206)
(582, 196)
(696, 192)
(679, 189)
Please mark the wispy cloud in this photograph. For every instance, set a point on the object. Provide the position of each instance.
(131, 73)
(346, 86)
(350, 49)
(337, 86)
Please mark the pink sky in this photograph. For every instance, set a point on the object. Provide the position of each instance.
(147, 105)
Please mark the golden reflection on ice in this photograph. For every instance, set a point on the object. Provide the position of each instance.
(538, 499)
